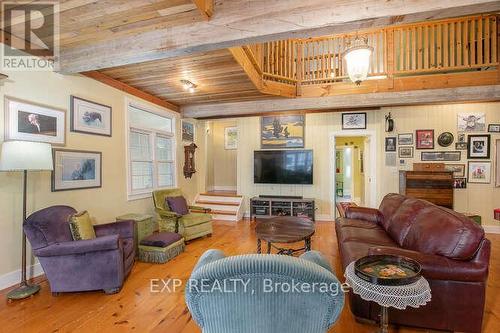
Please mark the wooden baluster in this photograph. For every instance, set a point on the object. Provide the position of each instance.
(494, 42)
(480, 59)
(459, 43)
(420, 48)
(445, 48)
(439, 60)
(452, 44)
(426, 46)
(465, 45)
(487, 40)
(414, 48)
(473, 44)
(432, 42)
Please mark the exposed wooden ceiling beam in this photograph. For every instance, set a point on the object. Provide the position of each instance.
(131, 90)
(243, 22)
(412, 97)
(206, 7)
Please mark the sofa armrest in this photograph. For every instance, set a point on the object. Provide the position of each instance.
(125, 229)
(208, 257)
(437, 267)
(364, 213)
(167, 213)
(317, 258)
(203, 209)
(78, 247)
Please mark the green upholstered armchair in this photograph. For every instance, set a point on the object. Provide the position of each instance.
(190, 226)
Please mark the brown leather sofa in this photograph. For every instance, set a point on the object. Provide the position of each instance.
(450, 247)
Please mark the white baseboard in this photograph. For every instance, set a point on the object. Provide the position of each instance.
(223, 188)
(12, 278)
(491, 229)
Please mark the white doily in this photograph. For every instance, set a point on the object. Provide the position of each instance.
(399, 297)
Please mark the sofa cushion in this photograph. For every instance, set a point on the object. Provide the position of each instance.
(344, 222)
(192, 219)
(438, 230)
(81, 226)
(401, 220)
(161, 239)
(389, 205)
(177, 205)
(370, 236)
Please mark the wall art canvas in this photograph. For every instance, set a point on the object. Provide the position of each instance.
(187, 131)
(405, 139)
(28, 121)
(457, 169)
(441, 156)
(425, 139)
(405, 152)
(471, 122)
(90, 117)
(282, 132)
(390, 143)
(478, 146)
(479, 172)
(354, 120)
(231, 138)
(76, 169)
(460, 183)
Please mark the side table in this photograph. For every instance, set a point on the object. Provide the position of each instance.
(144, 226)
(400, 297)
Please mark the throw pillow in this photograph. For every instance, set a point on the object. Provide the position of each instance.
(81, 226)
(178, 205)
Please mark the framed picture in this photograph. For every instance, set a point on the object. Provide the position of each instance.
(390, 143)
(479, 172)
(28, 121)
(497, 163)
(282, 132)
(405, 139)
(405, 152)
(354, 120)
(76, 169)
(494, 128)
(478, 146)
(461, 137)
(187, 131)
(90, 117)
(457, 169)
(471, 122)
(230, 138)
(425, 139)
(461, 146)
(441, 156)
(460, 183)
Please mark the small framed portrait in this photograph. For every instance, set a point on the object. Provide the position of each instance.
(461, 137)
(460, 183)
(405, 139)
(405, 152)
(494, 128)
(479, 172)
(478, 146)
(390, 143)
(461, 146)
(187, 131)
(457, 169)
(90, 117)
(230, 138)
(425, 139)
(28, 121)
(76, 169)
(354, 120)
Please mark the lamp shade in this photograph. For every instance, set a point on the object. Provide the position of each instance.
(25, 155)
(357, 58)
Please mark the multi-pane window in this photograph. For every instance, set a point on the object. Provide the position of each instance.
(151, 148)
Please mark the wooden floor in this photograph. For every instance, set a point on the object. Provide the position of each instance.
(135, 309)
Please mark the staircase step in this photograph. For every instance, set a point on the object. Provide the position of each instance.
(221, 194)
(216, 212)
(206, 202)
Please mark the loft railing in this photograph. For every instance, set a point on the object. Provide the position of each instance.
(453, 45)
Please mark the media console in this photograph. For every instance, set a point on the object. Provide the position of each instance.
(266, 207)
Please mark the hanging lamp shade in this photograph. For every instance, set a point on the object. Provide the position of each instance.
(357, 57)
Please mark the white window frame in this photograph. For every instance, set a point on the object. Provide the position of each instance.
(146, 193)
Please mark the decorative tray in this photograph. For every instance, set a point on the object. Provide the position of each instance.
(387, 270)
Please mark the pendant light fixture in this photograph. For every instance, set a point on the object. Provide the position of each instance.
(357, 57)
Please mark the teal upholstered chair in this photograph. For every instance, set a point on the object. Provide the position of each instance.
(196, 224)
(258, 307)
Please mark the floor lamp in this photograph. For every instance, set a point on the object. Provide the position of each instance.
(25, 156)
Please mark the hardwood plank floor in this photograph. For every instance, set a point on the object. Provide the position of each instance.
(135, 309)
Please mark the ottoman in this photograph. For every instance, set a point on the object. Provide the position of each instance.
(160, 247)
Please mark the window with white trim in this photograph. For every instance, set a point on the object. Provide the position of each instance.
(151, 151)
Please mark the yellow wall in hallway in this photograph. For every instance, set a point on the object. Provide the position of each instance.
(221, 162)
(358, 177)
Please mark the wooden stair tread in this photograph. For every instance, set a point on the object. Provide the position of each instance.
(216, 212)
(220, 203)
(221, 194)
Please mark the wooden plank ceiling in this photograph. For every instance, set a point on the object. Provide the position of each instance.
(219, 78)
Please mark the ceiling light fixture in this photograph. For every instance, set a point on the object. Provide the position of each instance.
(189, 86)
(357, 57)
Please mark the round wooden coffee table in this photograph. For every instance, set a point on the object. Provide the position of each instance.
(284, 229)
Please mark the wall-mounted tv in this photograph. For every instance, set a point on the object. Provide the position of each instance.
(283, 167)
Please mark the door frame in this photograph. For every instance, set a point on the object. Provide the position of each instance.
(370, 169)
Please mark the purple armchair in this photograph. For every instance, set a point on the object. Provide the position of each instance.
(96, 264)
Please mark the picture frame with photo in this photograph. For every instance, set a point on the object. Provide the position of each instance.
(459, 183)
(471, 122)
(390, 144)
(355, 120)
(187, 131)
(76, 170)
(433, 156)
(28, 121)
(461, 146)
(478, 146)
(89, 117)
(230, 138)
(494, 128)
(457, 169)
(405, 152)
(405, 139)
(425, 139)
(479, 172)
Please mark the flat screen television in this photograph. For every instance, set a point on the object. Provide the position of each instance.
(283, 167)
